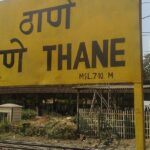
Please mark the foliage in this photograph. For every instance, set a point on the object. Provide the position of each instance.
(58, 130)
(146, 67)
(27, 129)
(5, 127)
(48, 127)
(28, 114)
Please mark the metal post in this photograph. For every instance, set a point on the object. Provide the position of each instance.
(109, 98)
(99, 124)
(138, 97)
(78, 110)
(139, 116)
(108, 95)
(101, 101)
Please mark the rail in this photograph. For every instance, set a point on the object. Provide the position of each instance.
(12, 145)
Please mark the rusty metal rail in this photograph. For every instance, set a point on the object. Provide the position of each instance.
(12, 145)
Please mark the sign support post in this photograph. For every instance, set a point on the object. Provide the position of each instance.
(139, 116)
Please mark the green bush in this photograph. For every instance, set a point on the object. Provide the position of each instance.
(51, 128)
(59, 130)
(61, 133)
(28, 114)
(5, 127)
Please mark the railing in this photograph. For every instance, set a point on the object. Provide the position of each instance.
(114, 122)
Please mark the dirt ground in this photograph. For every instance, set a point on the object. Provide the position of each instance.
(88, 143)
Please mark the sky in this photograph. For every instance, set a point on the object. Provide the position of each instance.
(146, 26)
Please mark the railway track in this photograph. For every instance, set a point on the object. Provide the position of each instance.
(11, 145)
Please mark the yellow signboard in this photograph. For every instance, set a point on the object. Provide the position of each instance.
(69, 42)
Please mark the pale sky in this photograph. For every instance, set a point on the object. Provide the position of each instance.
(146, 26)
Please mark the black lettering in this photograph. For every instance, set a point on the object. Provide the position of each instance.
(66, 57)
(100, 75)
(88, 76)
(27, 21)
(39, 25)
(49, 50)
(82, 51)
(94, 75)
(59, 9)
(5, 62)
(110, 75)
(11, 53)
(81, 76)
(115, 52)
(102, 55)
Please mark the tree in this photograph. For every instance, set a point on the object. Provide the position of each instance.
(146, 67)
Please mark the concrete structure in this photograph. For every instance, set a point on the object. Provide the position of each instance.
(13, 112)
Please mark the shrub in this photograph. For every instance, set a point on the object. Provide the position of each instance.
(60, 130)
(28, 114)
(52, 128)
(5, 127)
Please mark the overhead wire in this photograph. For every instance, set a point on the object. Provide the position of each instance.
(146, 2)
(145, 17)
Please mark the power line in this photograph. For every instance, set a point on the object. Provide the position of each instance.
(145, 35)
(146, 17)
(146, 32)
(145, 2)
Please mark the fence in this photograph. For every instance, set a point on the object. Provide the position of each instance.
(110, 123)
